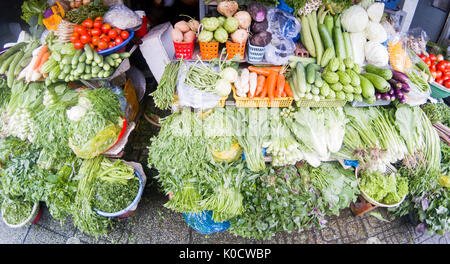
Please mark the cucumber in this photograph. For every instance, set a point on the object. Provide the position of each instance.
(82, 57)
(95, 69)
(316, 36)
(380, 84)
(6, 63)
(87, 69)
(115, 56)
(125, 55)
(348, 45)
(329, 24)
(301, 77)
(110, 61)
(310, 73)
(326, 37)
(106, 67)
(339, 44)
(80, 68)
(26, 58)
(368, 90)
(11, 51)
(67, 59)
(56, 56)
(67, 69)
(97, 58)
(384, 73)
(76, 57)
(89, 52)
(12, 67)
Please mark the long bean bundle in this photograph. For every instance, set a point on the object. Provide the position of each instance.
(202, 77)
(163, 96)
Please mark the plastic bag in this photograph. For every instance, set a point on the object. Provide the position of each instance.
(122, 17)
(417, 96)
(278, 51)
(204, 224)
(398, 55)
(191, 96)
(417, 40)
(282, 24)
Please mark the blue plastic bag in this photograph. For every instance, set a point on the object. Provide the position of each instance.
(204, 224)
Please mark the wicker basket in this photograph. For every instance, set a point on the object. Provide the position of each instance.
(220, 104)
(261, 102)
(389, 170)
(234, 49)
(321, 103)
(209, 51)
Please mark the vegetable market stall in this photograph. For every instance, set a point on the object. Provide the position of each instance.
(67, 109)
(274, 156)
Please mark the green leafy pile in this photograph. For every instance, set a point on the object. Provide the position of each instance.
(32, 8)
(445, 161)
(5, 93)
(386, 189)
(95, 122)
(432, 210)
(16, 211)
(84, 12)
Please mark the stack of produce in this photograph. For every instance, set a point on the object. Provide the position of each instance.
(260, 37)
(439, 68)
(185, 32)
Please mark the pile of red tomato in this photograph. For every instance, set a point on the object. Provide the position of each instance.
(98, 35)
(439, 68)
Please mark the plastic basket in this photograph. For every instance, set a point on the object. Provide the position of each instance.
(204, 224)
(255, 53)
(234, 49)
(208, 50)
(439, 91)
(33, 218)
(220, 104)
(119, 47)
(321, 103)
(370, 199)
(261, 102)
(184, 50)
(130, 208)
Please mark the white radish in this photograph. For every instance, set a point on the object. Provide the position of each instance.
(253, 82)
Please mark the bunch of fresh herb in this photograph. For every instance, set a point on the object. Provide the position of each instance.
(164, 94)
(16, 211)
(432, 210)
(84, 12)
(32, 8)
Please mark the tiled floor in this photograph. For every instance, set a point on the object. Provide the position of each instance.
(152, 223)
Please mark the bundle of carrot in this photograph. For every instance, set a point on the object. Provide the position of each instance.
(32, 72)
(270, 83)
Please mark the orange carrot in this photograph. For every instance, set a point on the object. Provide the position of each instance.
(284, 94)
(281, 81)
(264, 70)
(44, 59)
(288, 90)
(272, 84)
(264, 91)
(260, 84)
(41, 53)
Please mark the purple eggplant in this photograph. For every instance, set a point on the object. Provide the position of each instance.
(403, 101)
(399, 76)
(398, 93)
(393, 98)
(386, 97)
(391, 92)
(395, 84)
(406, 87)
(378, 96)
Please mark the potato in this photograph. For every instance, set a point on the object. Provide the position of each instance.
(177, 35)
(227, 8)
(239, 36)
(182, 26)
(188, 36)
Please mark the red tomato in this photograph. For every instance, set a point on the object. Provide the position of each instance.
(96, 32)
(432, 57)
(99, 49)
(432, 67)
(112, 34)
(78, 45)
(92, 46)
(99, 18)
(433, 74)
(95, 40)
(423, 57)
(79, 29)
(447, 84)
(439, 57)
(97, 24)
(118, 30)
(438, 74)
(427, 61)
(88, 23)
(106, 28)
(102, 44)
(441, 66)
(439, 80)
(118, 41)
(124, 35)
(74, 37)
(445, 77)
(85, 38)
(106, 39)
(111, 45)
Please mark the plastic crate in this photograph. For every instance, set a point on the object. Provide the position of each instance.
(220, 104)
(321, 103)
(439, 91)
(157, 49)
(261, 102)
